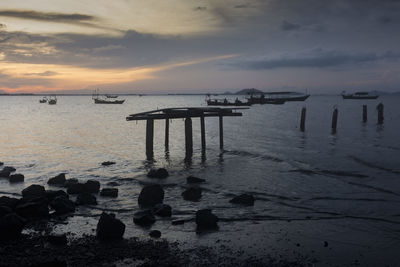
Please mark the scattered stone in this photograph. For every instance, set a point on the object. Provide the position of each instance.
(325, 243)
(194, 180)
(8, 169)
(155, 234)
(107, 163)
(92, 186)
(11, 226)
(52, 194)
(70, 181)
(151, 195)
(244, 199)
(51, 263)
(113, 184)
(4, 210)
(16, 178)
(192, 194)
(206, 220)
(34, 190)
(57, 180)
(62, 205)
(9, 202)
(178, 222)
(57, 239)
(75, 188)
(109, 192)
(144, 218)
(160, 173)
(109, 227)
(33, 207)
(162, 210)
(4, 174)
(1, 163)
(85, 198)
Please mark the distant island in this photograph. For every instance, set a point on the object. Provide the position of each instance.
(248, 91)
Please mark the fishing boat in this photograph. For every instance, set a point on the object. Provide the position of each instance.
(52, 100)
(287, 96)
(359, 95)
(111, 96)
(263, 100)
(43, 100)
(225, 102)
(98, 99)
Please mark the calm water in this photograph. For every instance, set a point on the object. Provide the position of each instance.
(310, 187)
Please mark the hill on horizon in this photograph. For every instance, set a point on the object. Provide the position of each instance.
(248, 91)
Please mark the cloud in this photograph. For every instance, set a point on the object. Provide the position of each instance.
(314, 59)
(200, 8)
(242, 6)
(45, 73)
(45, 16)
(288, 26)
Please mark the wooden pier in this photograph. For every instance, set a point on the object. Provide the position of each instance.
(187, 114)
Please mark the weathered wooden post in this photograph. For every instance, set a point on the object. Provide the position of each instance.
(149, 138)
(203, 134)
(221, 132)
(379, 107)
(334, 120)
(365, 114)
(188, 137)
(166, 134)
(303, 119)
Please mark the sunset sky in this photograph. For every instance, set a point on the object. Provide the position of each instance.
(194, 46)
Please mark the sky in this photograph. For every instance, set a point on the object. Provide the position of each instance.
(199, 46)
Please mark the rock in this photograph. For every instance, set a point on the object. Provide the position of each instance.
(34, 191)
(206, 220)
(325, 243)
(155, 234)
(51, 263)
(151, 195)
(85, 198)
(192, 194)
(109, 192)
(8, 169)
(194, 180)
(107, 163)
(178, 222)
(70, 181)
(57, 239)
(62, 205)
(4, 210)
(162, 210)
(11, 226)
(1, 163)
(4, 174)
(113, 184)
(160, 173)
(92, 186)
(33, 207)
(109, 227)
(244, 199)
(75, 188)
(144, 218)
(57, 180)
(16, 178)
(52, 194)
(9, 202)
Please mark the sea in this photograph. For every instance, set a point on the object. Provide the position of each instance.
(333, 197)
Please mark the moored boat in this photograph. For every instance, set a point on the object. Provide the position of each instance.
(43, 100)
(225, 102)
(111, 96)
(359, 95)
(52, 100)
(104, 99)
(263, 100)
(287, 96)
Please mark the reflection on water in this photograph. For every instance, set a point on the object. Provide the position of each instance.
(311, 186)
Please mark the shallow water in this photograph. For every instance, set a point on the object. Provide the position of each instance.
(310, 187)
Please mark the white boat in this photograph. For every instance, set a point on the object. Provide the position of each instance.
(52, 100)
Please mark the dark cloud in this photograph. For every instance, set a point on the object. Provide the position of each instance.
(46, 73)
(288, 26)
(242, 6)
(45, 16)
(200, 8)
(315, 59)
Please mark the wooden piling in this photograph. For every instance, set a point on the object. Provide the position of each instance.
(380, 113)
(221, 132)
(334, 120)
(365, 114)
(303, 119)
(203, 134)
(149, 138)
(166, 134)
(188, 137)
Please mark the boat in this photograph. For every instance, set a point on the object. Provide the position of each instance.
(104, 100)
(111, 96)
(359, 95)
(287, 96)
(52, 100)
(225, 102)
(43, 100)
(263, 100)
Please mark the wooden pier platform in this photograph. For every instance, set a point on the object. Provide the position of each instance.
(186, 113)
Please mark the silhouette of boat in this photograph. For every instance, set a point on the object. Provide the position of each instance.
(263, 100)
(287, 96)
(52, 100)
(43, 100)
(104, 100)
(225, 102)
(111, 96)
(359, 95)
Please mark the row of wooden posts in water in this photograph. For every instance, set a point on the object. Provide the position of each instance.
(335, 113)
